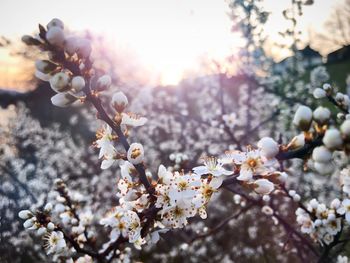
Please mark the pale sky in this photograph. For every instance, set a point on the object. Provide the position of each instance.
(167, 36)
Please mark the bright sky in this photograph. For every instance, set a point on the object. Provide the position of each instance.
(167, 36)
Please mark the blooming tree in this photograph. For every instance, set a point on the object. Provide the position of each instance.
(155, 199)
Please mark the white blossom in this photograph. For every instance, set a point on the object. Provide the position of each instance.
(303, 117)
(136, 153)
(332, 139)
(55, 36)
(268, 147)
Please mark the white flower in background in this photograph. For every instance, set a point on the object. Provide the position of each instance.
(104, 142)
(332, 139)
(344, 209)
(230, 120)
(133, 120)
(263, 186)
(84, 259)
(104, 82)
(342, 259)
(324, 168)
(212, 166)
(302, 118)
(136, 153)
(319, 93)
(268, 147)
(55, 242)
(119, 101)
(60, 82)
(321, 115)
(55, 36)
(345, 180)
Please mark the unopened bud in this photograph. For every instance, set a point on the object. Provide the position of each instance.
(119, 101)
(45, 66)
(78, 83)
(332, 139)
(55, 22)
(302, 118)
(63, 100)
(321, 115)
(60, 82)
(55, 36)
(25, 214)
(103, 83)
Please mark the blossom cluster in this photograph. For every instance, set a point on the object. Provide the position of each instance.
(149, 205)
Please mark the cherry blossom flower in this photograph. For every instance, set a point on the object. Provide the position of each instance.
(133, 120)
(212, 166)
(104, 142)
(55, 242)
(230, 119)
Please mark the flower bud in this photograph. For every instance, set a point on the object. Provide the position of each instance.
(78, 83)
(103, 82)
(339, 97)
(269, 148)
(319, 93)
(83, 47)
(332, 139)
(48, 207)
(30, 41)
(302, 118)
(327, 87)
(60, 82)
(263, 186)
(135, 153)
(29, 222)
(63, 99)
(55, 22)
(45, 66)
(296, 198)
(41, 231)
(55, 36)
(292, 193)
(335, 204)
(50, 226)
(119, 101)
(25, 214)
(321, 154)
(345, 129)
(70, 45)
(321, 115)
